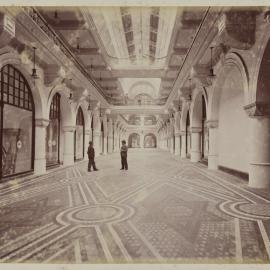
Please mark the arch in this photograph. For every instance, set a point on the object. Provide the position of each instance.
(79, 135)
(17, 123)
(12, 58)
(134, 140)
(230, 94)
(68, 115)
(150, 141)
(198, 119)
(232, 61)
(53, 132)
(86, 115)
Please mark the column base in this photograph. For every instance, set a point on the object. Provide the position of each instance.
(40, 166)
(259, 175)
(68, 160)
(212, 162)
(195, 156)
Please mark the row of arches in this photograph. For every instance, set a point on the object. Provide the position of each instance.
(32, 144)
(222, 127)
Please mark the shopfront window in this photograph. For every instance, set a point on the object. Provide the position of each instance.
(79, 136)
(17, 123)
(53, 133)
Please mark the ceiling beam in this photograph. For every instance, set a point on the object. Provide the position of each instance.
(86, 51)
(138, 73)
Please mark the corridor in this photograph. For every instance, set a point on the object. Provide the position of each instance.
(162, 210)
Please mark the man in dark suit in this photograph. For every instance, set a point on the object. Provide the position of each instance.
(123, 153)
(91, 157)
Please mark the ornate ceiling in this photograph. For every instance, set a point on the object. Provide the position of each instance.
(128, 51)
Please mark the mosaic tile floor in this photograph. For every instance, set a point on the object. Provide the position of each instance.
(161, 210)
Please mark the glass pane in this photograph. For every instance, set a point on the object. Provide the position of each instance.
(17, 84)
(79, 142)
(17, 140)
(5, 78)
(52, 142)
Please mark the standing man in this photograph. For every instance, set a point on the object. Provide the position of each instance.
(91, 157)
(123, 153)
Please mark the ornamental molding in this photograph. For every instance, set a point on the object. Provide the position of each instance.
(258, 109)
(42, 122)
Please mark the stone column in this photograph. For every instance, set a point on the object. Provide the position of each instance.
(177, 132)
(40, 146)
(105, 125)
(96, 132)
(177, 143)
(183, 153)
(115, 143)
(110, 136)
(171, 130)
(213, 145)
(87, 133)
(68, 145)
(195, 155)
(259, 167)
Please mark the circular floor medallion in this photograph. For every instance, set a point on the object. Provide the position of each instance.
(90, 215)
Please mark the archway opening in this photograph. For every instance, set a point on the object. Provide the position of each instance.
(79, 143)
(17, 123)
(134, 140)
(188, 136)
(53, 132)
(102, 138)
(150, 141)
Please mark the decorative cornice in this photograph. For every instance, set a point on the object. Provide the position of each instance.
(195, 129)
(258, 109)
(69, 128)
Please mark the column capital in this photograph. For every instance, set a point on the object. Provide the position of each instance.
(69, 128)
(177, 134)
(196, 129)
(258, 109)
(87, 131)
(212, 123)
(42, 122)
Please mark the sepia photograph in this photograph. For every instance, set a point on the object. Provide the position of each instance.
(134, 135)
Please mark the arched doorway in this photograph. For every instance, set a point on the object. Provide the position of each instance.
(79, 136)
(92, 131)
(150, 141)
(134, 140)
(53, 132)
(205, 135)
(17, 123)
(188, 136)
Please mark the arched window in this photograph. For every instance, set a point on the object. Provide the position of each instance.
(79, 136)
(53, 132)
(17, 123)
